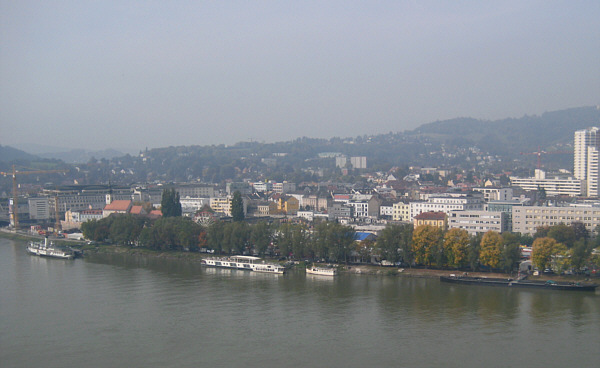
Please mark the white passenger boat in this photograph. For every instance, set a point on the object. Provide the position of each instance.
(45, 249)
(323, 271)
(244, 263)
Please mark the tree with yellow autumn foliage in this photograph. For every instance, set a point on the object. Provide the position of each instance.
(542, 250)
(456, 246)
(491, 249)
(427, 242)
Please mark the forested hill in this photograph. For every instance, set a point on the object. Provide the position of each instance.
(507, 136)
(465, 143)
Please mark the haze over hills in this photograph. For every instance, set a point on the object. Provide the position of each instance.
(506, 137)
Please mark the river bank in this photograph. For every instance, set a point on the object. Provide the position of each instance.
(197, 257)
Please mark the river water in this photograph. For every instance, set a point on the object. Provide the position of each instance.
(125, 311)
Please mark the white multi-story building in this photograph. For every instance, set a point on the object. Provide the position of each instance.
(284, 187)
(527, 219)
(557, 185)
(585, 164)
(195, 190)
(495, 193)
(39, 208)
(191, 205)
(446, 203)
(592, 172)
(478, 221)
(359, 162)
(364, 205)
(263, 187)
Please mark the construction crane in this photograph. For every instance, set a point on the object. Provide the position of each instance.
(539, 154)
(14, 173)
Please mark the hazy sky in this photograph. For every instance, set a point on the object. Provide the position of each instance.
(135, 74)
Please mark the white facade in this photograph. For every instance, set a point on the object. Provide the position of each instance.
(341, 161)
(527, 219)
(584, 139)
(262, 187)
(359, 162)
(196, 190)
(308, 215)
(387, 211)
(585, 163)
(39, 208)
(478, 221)
(592, 172)
(495, 194)
(446, 204)
(284, 187)
(555, 186)
(191, 205)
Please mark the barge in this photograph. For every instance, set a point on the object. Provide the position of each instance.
(521, 283)
(248, 263)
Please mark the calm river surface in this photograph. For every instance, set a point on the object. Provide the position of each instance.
(117, 311)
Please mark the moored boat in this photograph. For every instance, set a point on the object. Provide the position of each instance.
(248, 263)
(46, 249)
(322, 271)
(492, 281)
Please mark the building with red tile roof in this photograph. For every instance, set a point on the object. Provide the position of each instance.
(437, 219)
(118, 206)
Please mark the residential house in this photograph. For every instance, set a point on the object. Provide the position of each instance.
(437, 219)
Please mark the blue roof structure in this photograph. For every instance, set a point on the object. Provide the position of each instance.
(360, 236)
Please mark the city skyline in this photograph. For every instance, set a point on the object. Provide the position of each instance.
(138, 74)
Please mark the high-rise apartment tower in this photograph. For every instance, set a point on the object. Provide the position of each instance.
(585, 165)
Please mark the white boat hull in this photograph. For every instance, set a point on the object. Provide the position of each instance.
(241, 265)
(321, 271)
(43, 249)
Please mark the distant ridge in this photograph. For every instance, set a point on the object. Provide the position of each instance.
(507, 135)
(8, 154)
(76, 156)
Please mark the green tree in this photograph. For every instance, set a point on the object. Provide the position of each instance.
(541, 252)
(580, 253)
(541, 232)
(474, 251)
(342, 238)
(562, 233)
(261, 237)
(511, 252)
(284, 239)
(560, 258)
(388, 243)
(237, 207)
(125, 229)
(364, 249)
(216, 236)
(581, 232)
(300, 239)
(541, 193)
(456, 244)
(319, 246)
(239, 234)
(491, 249)
(170, 205)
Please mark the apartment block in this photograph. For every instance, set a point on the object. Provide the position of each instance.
(475, 222)
(527, 219)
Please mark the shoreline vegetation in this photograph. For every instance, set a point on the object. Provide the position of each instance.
(358, 269)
